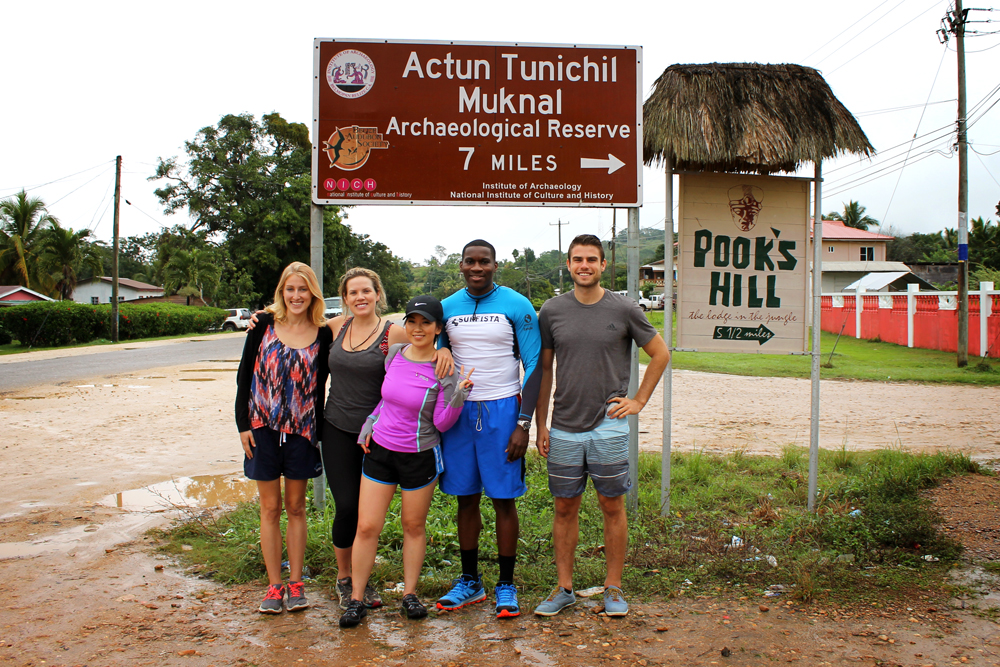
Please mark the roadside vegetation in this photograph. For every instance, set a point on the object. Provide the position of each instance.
(61, 323)
(853, 359)
(737, 525)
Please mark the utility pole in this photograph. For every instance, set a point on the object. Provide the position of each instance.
(954, 23)
(963, 194)
(562, 263)
(114, 256)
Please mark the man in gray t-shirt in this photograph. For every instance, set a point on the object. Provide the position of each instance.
(590, 331)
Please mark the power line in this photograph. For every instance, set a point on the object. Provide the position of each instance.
(78, 187)
(886, 37)
(986, 168)
(844, 30)
(915, 131)
(870, 25)
(904, 108)
(63, 178)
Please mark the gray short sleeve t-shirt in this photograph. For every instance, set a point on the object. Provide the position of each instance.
(593, 346)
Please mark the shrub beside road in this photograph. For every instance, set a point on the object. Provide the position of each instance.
(54, 324)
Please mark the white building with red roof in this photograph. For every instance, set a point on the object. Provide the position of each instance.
(18, 295)
(98, 290)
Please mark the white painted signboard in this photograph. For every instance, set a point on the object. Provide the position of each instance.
(743, 277)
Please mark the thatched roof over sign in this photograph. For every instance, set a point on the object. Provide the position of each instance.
(746, 117)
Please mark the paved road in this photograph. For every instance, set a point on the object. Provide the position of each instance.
(17, 375)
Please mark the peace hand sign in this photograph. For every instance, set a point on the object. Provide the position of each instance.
(465, 382)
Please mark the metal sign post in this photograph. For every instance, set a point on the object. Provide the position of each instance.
(817, 304)
(633, 383)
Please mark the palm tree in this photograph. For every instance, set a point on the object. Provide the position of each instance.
(853, 216)
(23, 221)
(194, 269)
(64, 254)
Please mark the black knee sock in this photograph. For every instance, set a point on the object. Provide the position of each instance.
(506, 569)
(470, 562)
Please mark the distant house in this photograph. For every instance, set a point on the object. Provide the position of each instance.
(98, 290)
(849, 254)
(17, 295)
(654, 273)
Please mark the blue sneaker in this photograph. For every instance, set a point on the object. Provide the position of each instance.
(614, 602)
(465, 591)
(507, 605)
(556, 602)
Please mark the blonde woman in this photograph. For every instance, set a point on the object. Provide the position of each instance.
(356, 361)
(279, 400)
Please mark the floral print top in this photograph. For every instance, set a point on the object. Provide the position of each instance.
(283, 389)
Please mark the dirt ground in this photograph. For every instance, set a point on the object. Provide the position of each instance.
(82, 585)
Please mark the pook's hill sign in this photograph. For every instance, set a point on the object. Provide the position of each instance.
(742, 263)
(476, 123)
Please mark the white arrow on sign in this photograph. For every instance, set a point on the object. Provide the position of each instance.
(612, 164)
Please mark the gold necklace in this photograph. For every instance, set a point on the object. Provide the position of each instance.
(350, 334)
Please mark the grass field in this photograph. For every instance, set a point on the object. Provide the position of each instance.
(853, 359)
(736, 523)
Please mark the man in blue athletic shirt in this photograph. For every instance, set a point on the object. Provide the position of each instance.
(494, 330)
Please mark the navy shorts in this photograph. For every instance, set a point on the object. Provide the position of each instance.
(282, 454)
(409, 470)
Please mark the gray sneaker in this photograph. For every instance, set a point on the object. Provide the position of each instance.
(344, 590)
(296, 592)
(556, 602)
(614, 602)
(273, 602)
(372, 598)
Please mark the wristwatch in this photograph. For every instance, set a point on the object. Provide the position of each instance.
(525, 424)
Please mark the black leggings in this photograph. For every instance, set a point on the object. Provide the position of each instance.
(342, 458)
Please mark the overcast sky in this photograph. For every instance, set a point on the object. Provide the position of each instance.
(88, 81)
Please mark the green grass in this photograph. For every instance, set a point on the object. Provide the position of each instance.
(869, 508)
(16, 348)
(853, 359)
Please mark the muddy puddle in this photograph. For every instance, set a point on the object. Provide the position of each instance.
(143, 508)
(185, 492)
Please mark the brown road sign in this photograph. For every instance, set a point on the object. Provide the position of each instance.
(494, 124)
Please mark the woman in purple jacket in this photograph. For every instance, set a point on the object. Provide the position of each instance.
(400, 439)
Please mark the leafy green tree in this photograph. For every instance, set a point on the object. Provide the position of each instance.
(914, 247)
(64, 254)
(197, 270)
(23, 223)
(853, 216)
(246, 186)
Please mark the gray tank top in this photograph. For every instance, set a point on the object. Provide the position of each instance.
(355, 381)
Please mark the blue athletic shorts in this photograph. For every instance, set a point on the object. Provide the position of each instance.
(278, 454)
(601, 454)
(474, 451)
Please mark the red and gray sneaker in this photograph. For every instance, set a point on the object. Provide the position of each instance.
(273, 601)
(296, 597)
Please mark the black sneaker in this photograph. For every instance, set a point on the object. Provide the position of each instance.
(356, 610)
(412, 607)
